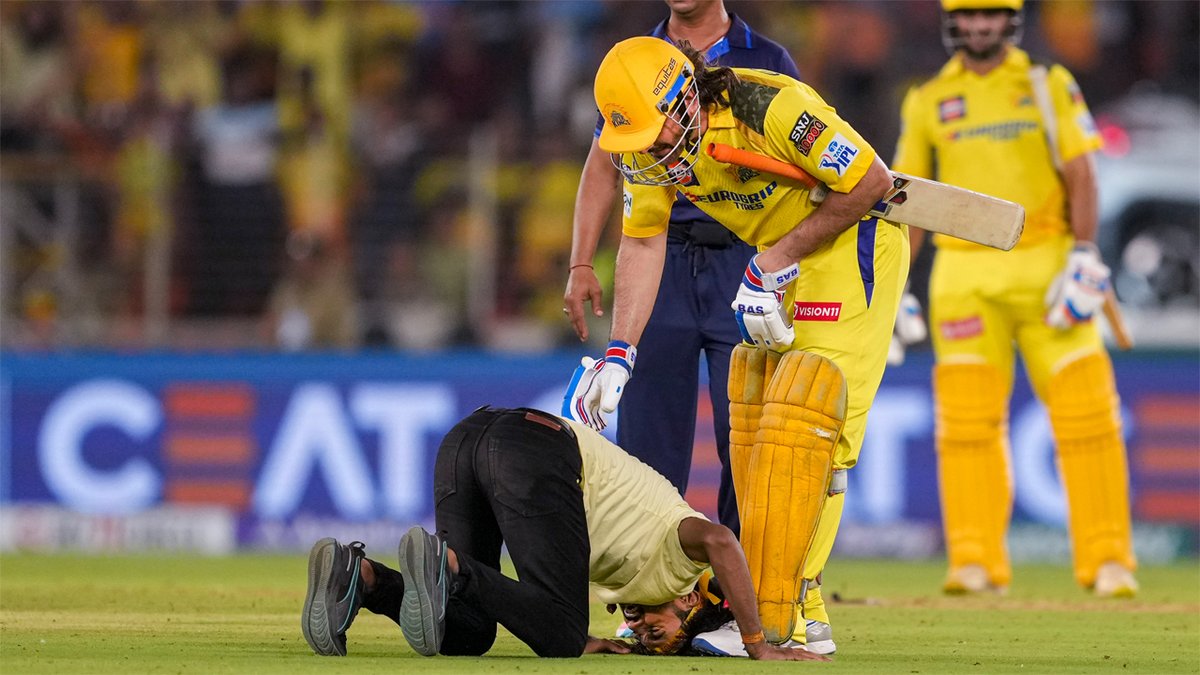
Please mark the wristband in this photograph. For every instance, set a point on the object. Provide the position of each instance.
(753, 639)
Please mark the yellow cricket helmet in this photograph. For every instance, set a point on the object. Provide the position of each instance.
(956, 5)
(642, 82)
(635, 87)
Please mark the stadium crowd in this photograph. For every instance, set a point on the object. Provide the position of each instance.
(321, 174)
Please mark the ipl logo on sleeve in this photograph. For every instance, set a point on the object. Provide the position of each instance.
(839, 154)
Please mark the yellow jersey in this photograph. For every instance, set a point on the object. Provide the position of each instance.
(985, 133)
(773, 115)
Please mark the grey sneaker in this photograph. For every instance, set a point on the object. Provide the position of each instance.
(426, 590)
(335, 594)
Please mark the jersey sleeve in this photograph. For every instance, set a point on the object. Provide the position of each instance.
(1077, 133)
(802, 129)
(646, 209)
(914, 151)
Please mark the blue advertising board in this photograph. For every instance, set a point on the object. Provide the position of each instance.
(352, 438)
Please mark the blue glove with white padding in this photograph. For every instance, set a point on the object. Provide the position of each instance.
(596, 386)
(758, 306)
(1079, 290)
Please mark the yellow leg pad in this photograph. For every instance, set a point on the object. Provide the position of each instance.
(750, 369)
(1085, 414)
(973, 473)
(790, 468)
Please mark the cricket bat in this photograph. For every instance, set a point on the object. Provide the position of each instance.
(919, 202)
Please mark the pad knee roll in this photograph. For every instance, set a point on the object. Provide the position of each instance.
(1085, 415)
(974, 478)
(789, 474)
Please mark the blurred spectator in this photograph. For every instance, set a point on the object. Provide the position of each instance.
(241, 229)
(313, 305)
(36, 79)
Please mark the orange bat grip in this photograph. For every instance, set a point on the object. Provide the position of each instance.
(752, 160)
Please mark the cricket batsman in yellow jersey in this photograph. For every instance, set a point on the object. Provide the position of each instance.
(992, 122)
(815, 307)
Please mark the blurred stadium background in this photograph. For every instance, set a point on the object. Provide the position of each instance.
(256, 257)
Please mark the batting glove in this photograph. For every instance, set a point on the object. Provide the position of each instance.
(596, 386)
(909, 329)
(758, 306)
(1079, 290)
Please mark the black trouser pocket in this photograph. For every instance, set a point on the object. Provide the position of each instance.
(445, 468)
(534, 471)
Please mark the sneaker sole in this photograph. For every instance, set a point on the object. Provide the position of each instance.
(314, 622)
(417, 621)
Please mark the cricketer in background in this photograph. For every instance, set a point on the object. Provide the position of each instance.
(980, 123)
(815, 306)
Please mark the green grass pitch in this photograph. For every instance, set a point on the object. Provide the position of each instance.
(72, 614)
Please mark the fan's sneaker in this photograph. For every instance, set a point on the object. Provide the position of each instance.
(818, 637)
(335, 594)
(969, 579)
(1114, 581)
(727, 641)
(426, 590)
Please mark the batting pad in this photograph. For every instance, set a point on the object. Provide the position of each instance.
(750, 369)
(973, 472)
(790, 467)
(1085, 414)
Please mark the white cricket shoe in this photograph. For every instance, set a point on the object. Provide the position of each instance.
(819, 638)
(1114, 581)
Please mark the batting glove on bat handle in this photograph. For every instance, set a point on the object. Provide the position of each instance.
(1078, 292)
(910, 328)
(596, 386)
(758, 306)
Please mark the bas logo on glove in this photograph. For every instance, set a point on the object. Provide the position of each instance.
(758, 306)
(596, 386)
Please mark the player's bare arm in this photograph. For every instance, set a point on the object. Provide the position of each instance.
(598, 187)
(835, 215)
(1079, 178)
(715, 544)
(639, 271)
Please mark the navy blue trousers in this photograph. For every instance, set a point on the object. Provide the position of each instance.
(657, 414)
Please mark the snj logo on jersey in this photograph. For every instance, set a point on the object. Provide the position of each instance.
(806, 132)
(961, 329)
(745, 202)
(839, 154)
(950, 109)
(817, 311)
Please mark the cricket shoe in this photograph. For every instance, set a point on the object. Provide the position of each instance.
(1114, 581)
(335, 594)
(969, 579)
(426, 590)
(727, 641)
(818, 638)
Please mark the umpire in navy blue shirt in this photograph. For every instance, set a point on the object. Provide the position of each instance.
(704, 265)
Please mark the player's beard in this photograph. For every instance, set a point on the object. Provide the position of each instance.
(986, 54)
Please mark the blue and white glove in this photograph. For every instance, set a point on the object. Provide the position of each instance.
(909, 329)
(596, 386)
(1079, 290)
(758, 306)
